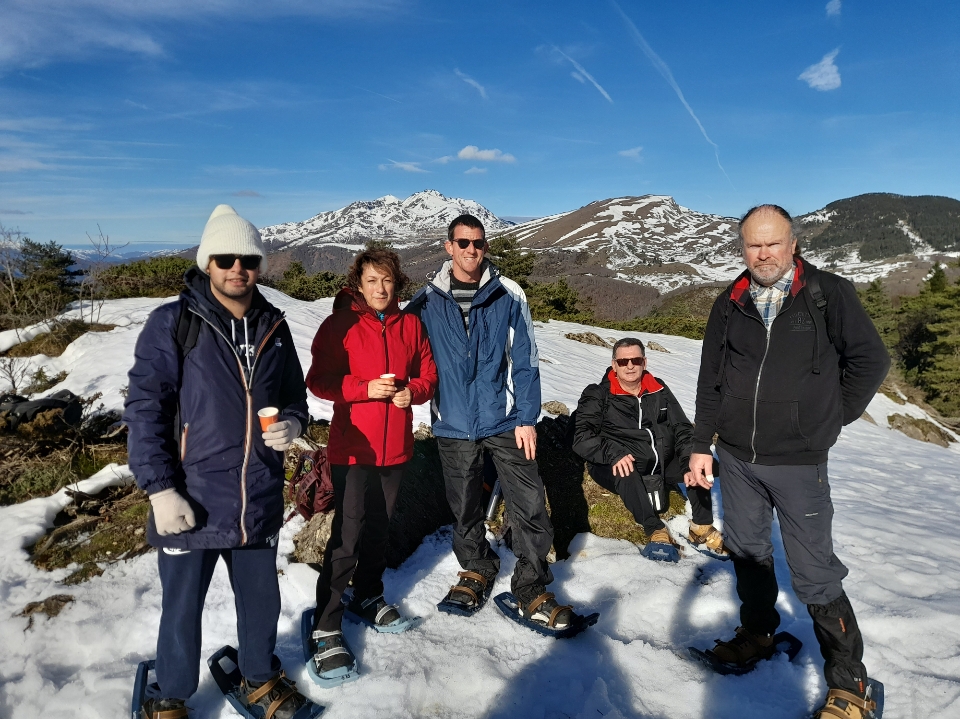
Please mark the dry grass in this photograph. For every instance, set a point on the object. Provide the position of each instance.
(52, 344)
(609, 518)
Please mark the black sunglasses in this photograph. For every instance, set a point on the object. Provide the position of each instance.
(464, 244)
(247, 262)
(635, 361)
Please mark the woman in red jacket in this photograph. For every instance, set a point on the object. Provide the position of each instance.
(373, 361)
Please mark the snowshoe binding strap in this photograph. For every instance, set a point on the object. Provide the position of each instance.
(378, 611)
(542, 599)
(845, 705)
(463, 587)
(335, 646)
(286, 690)
(177, 713)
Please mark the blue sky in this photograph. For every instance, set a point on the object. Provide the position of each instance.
(141, 116)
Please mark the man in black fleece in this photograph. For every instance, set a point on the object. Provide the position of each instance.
(779, 377)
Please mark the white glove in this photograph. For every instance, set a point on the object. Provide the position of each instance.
(282, 433)
(171, 512)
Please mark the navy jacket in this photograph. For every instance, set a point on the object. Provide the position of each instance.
(193, 421)
(489, 379)
(781, 396)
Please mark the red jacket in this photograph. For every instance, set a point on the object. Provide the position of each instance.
(352, 347)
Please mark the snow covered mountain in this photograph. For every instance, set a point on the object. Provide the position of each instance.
(422, 216)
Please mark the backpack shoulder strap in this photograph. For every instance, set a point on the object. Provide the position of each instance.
(813, 284)
(188, 329)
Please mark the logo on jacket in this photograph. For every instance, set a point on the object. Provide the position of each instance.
(801, 322)
(175, 551)
(277, 342)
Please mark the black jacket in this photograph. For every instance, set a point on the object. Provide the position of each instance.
(652, 427)
(782, 397)
(233, 481)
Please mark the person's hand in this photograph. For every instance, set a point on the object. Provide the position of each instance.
(527, 440)
(701, 471)
(280, 434)
(381, 388)
(403, 398)
(624, 466)
(171, 512)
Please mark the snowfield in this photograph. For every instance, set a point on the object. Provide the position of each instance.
(897, 511)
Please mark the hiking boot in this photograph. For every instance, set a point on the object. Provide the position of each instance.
(330, 651)
(662, 536)
(163, 709)
(540, 606)
(278, 697)
(846, 705)
(745, 649)
(471, 591)
(375, 610)
(709, 536)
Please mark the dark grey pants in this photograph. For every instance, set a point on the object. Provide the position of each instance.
(801, 496)
(523, 494)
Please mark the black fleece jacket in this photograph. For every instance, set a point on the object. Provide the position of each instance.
(782, 397)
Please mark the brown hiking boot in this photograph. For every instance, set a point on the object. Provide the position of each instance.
(845, 705)
(745, 649)
(662, 536)
(709, 536)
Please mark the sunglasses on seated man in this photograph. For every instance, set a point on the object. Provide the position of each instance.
(247, 262)
(464, 244)
(635, 361)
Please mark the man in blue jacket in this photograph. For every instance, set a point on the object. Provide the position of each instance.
(488, 399)
(204, 366)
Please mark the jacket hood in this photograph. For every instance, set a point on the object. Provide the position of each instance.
(648, 383)
(349, 300)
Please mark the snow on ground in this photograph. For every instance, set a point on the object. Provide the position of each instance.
(897, 504)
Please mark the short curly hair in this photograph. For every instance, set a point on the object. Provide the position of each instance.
(387, 261)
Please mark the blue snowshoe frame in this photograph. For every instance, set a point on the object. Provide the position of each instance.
(660, 552)
(784, 642)
(347, 674)
(395, 627)
(875, 692)
(508, 604)
(230, 682)
(702, 548)
(141, 687)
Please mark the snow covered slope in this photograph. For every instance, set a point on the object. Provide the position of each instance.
(897, 508)
(423, 215)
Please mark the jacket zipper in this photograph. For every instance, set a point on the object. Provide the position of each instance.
(248, 435)
(183, 442)
(756, 394)
(653, 444)
(386, 409)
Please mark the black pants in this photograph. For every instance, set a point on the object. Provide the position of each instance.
(185, 578)
(523, 494)
(364, 500)
(801, 496)
(635, 498)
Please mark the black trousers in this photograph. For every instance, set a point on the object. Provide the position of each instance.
(523, 494)
(185, 578)
(635, 498)
(801, 496)
(364, 499)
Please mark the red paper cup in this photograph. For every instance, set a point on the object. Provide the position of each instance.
(268, 416)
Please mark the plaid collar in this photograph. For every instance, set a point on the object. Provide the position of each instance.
(770, 299)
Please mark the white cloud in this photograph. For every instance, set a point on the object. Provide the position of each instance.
(405, 166)
(833, 8)
(824, 75)
(473, 83)
(584, 74)
(633, 153)
(578, 77)
(472, 152)
(445, 159)
(475, 171)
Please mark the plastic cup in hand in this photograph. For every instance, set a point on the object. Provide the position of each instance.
(268, 416)
(388, 376)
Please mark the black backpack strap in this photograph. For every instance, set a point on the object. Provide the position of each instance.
(813, 284)
(188, 329)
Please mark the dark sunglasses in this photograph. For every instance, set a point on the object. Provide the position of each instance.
(464, 244)
(247, 262)
(635, 361)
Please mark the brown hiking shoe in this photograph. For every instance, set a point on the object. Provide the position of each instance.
(745, 649)
(709, 536)
(845, 705)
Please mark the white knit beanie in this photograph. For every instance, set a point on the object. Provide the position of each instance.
(226, 233)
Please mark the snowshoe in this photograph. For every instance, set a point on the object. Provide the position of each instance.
(707, 540)
(274, 698)
(468, 596)
(147, 703)
(661, 547)
(750, 651)
(337, 664)
(383, 617)
(538, 609)
(849, 706)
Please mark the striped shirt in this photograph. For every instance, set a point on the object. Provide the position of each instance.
(463, 293)
(770, 299)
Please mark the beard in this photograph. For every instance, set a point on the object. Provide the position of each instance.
(767, 274)
(233, 291)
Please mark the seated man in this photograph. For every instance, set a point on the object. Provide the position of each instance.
(623, 441)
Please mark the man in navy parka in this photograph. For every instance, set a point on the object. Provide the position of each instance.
(214, 478)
